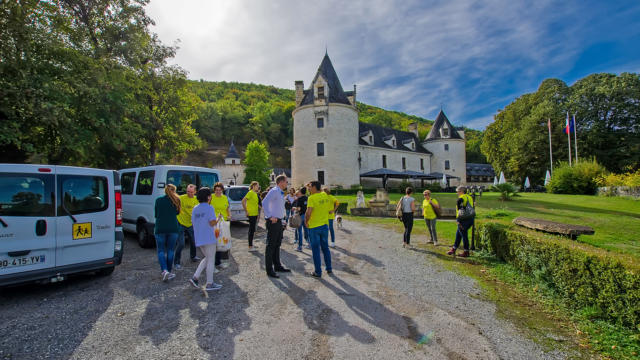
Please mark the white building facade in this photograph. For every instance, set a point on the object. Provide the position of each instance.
(331, 145)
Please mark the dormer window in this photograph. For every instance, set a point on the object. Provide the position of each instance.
(393, 142)
(413, 146)
(320, 92)
(445, 132)
(370, 139)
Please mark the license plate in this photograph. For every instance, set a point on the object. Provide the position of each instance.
(21, 261)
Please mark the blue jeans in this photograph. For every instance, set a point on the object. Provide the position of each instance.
(180, 243)
(288, 213)
(166, 244)
(333, 234)
(299, 232)
(320, 241)
(463, 232)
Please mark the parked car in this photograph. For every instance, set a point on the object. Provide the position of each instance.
(58, 220)
(142, 186)
(235, 194)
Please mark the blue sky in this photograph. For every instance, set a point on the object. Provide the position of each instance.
(470, 57)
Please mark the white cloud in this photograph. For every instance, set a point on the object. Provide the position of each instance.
(409, 56)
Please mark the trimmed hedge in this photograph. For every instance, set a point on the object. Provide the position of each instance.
(584, 280)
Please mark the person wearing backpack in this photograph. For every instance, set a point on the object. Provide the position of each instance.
(465, 215)
(430, 210)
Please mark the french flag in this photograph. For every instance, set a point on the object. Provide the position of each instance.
(570, 125)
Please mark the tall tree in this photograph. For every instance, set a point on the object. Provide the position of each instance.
(256, 161)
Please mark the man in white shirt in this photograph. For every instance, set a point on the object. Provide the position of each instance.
(273, 207)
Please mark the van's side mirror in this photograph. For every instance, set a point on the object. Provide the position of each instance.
(161, 185)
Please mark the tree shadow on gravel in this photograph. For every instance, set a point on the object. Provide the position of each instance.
(51, 320)
(372, 311)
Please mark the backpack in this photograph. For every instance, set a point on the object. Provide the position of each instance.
(437, 210)
(466, 212)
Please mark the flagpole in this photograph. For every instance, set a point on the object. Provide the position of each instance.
(567, 129)
(550, 151)
(575, 136)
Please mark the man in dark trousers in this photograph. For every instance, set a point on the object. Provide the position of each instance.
(273, 206)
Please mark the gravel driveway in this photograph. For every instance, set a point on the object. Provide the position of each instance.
(384, 302)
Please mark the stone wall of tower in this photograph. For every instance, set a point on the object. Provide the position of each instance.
(456, 155)
(340, 138)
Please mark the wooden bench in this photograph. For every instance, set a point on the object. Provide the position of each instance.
(570, 230)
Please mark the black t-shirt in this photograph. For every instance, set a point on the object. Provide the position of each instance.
(301, 202)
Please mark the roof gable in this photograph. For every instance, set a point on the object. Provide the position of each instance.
(442, 122)
(328, 73)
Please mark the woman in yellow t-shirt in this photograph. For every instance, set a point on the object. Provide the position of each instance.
(220, 204)
(428, 206)
(251, 207)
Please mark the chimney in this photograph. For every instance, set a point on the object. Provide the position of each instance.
(354, 95)
(299, 92)
(413, 128)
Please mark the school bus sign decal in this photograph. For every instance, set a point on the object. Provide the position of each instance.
(82, 231)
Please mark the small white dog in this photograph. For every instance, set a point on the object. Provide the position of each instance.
(338, 221)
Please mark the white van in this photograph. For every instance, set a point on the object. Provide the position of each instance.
(142, 186)
(235, 194)
(58, 220)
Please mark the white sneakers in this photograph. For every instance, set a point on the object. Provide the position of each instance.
(332, 245)
(167, 275)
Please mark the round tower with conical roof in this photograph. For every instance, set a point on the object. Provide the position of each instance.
(448, 146)
(325, 131)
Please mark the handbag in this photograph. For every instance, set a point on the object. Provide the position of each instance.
(466, 212)
(437, 210)
(295, 220)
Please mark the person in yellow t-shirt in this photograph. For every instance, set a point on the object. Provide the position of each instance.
(187, 202)
(251, 207)
(428, 205)
(333, 206)
(316, 220)
(220, 204)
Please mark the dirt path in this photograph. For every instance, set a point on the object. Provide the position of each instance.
(384, 302)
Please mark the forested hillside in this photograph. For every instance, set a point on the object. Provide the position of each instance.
(249, 111)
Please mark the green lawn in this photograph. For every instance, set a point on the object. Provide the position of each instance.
(616, 220)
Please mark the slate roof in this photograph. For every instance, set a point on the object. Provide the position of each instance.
(336, 93)
(233, 153)
(278, 171)
(434, 133)
(480, 170)
(381, 133)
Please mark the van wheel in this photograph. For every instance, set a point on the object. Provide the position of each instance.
(106, 271)
(145, 239)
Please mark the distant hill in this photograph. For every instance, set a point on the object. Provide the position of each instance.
(243, 112)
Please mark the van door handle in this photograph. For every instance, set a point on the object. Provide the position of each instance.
(18, 253)
(41, 227)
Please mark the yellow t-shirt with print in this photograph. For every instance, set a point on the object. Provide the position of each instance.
(220, 205)
(427, 209)
(252, 203)
(320, 213)
(332, 204)
(466, 198)
(186, 207)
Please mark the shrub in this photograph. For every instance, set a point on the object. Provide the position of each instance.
(631, 179)
(577, 179)
(403, 186)
(609, 289)
(506, 190)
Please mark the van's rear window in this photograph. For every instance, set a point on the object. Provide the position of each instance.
(26, 195)
(237, 194)
(83, 194)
